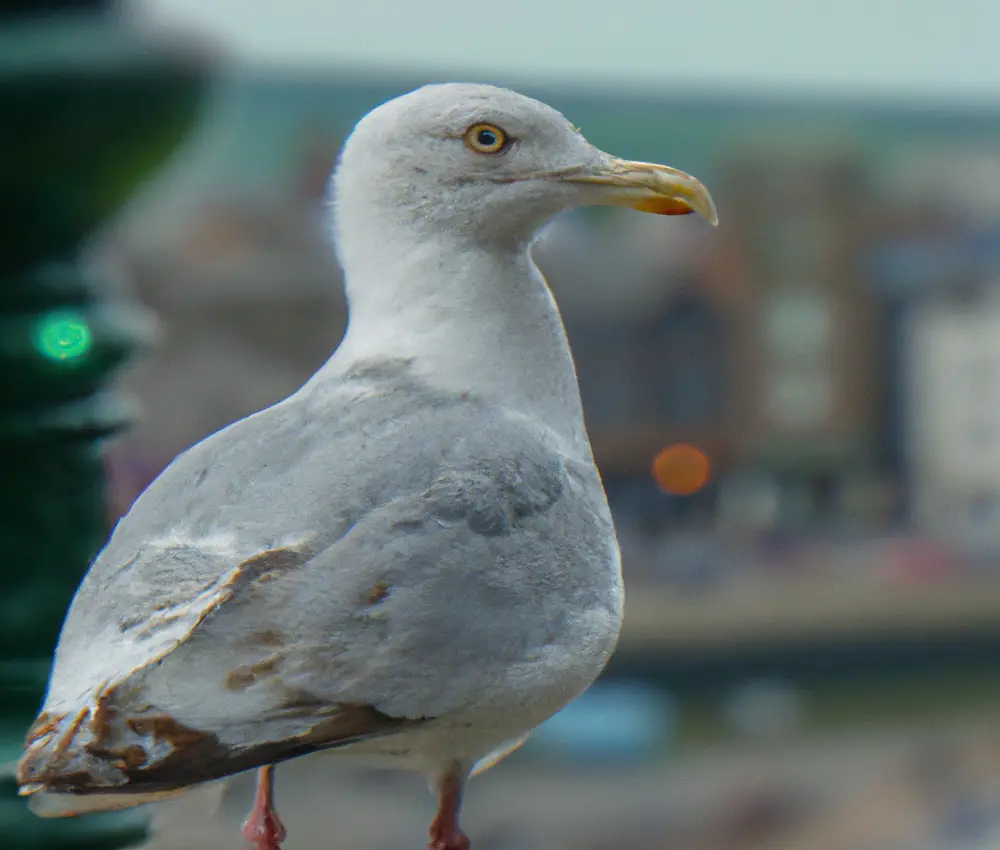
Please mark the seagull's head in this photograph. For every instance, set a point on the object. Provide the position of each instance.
(490, 164)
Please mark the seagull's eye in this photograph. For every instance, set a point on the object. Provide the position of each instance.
(485, 138)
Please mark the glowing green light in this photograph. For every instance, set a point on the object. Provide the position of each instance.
(63, 336)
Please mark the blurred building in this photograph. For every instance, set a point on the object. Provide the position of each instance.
(937, 272)
(806, 366)
(945, 298)
(954, 396)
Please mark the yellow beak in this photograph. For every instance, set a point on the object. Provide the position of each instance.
(651, 188)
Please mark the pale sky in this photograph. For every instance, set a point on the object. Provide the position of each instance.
(911, 48)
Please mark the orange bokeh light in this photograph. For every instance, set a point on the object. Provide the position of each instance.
(681, 469)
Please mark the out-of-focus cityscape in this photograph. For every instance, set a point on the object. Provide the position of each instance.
(797, 418)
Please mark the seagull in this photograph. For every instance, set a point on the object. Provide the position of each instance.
(411, 559)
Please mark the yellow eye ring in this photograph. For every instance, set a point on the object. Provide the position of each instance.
(485, 138)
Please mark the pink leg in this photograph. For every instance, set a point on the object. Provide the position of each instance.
(445, 831)
(263, 828)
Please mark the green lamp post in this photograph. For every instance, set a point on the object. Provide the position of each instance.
(88, 108)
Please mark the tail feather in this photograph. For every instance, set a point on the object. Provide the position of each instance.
(83, 752)
(66, 772)
(99, 751)
(56, 751)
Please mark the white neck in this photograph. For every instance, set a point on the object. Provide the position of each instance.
(472, 320)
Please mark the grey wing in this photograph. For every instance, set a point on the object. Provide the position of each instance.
(161, 572)
(463, 573)
(498, 569)
(286, 480)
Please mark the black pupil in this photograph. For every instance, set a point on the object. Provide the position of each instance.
(487, 138)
